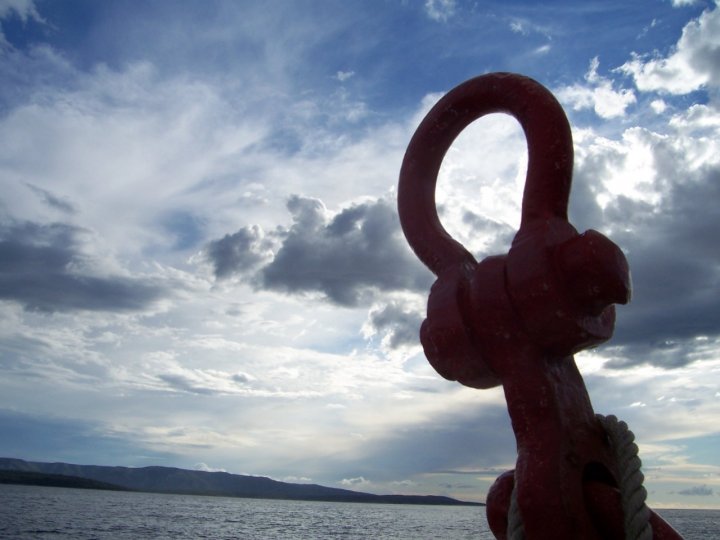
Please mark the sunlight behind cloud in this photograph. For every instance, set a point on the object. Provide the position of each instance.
(480, 184)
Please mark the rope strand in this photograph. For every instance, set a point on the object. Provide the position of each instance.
(515, 530)
(632, 492)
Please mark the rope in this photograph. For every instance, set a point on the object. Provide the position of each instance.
(632, 492)
(515, 530)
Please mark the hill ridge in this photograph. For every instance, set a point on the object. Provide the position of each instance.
(161, 479)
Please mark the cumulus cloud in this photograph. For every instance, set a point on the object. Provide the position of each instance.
(207, 157)
(240, 252)
(599, 94)
(396, 321)
(296, 479)
(697, 120)
(497, 234)
(658, 106)
(357, 482)
(43, 268)
(345, 256)
(693, 64)
(664, 215)
(206, 468)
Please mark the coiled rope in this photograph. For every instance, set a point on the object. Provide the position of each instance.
(515, 530)
(632, 492)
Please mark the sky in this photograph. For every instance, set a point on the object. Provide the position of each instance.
(201, 263)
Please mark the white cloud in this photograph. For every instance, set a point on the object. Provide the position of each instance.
(440, 10)
(394, 321)
(356, 483)
(654, 190)
(297, 479)
(526, 27)
(692, 65)
(125, 140)
(697, 119)
(598, 94)
(346, 257)
(25, 9)
(67, 141)
(658, 105)
(206, 468)
(489, 160)
(343, 76)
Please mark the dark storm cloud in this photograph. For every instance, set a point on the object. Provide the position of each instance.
(37, 270)
(398, 322)
(239, 253)
(674, 257)
(359, 250)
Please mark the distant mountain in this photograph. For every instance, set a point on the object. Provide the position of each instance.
(183, 481)
(54, 480)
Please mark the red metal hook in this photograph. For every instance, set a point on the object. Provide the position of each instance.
(517, 319)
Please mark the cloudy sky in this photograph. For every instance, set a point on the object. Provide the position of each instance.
(201, 263)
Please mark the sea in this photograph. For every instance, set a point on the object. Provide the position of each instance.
(34, 512)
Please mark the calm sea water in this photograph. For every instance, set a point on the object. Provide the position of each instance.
(29, 512)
